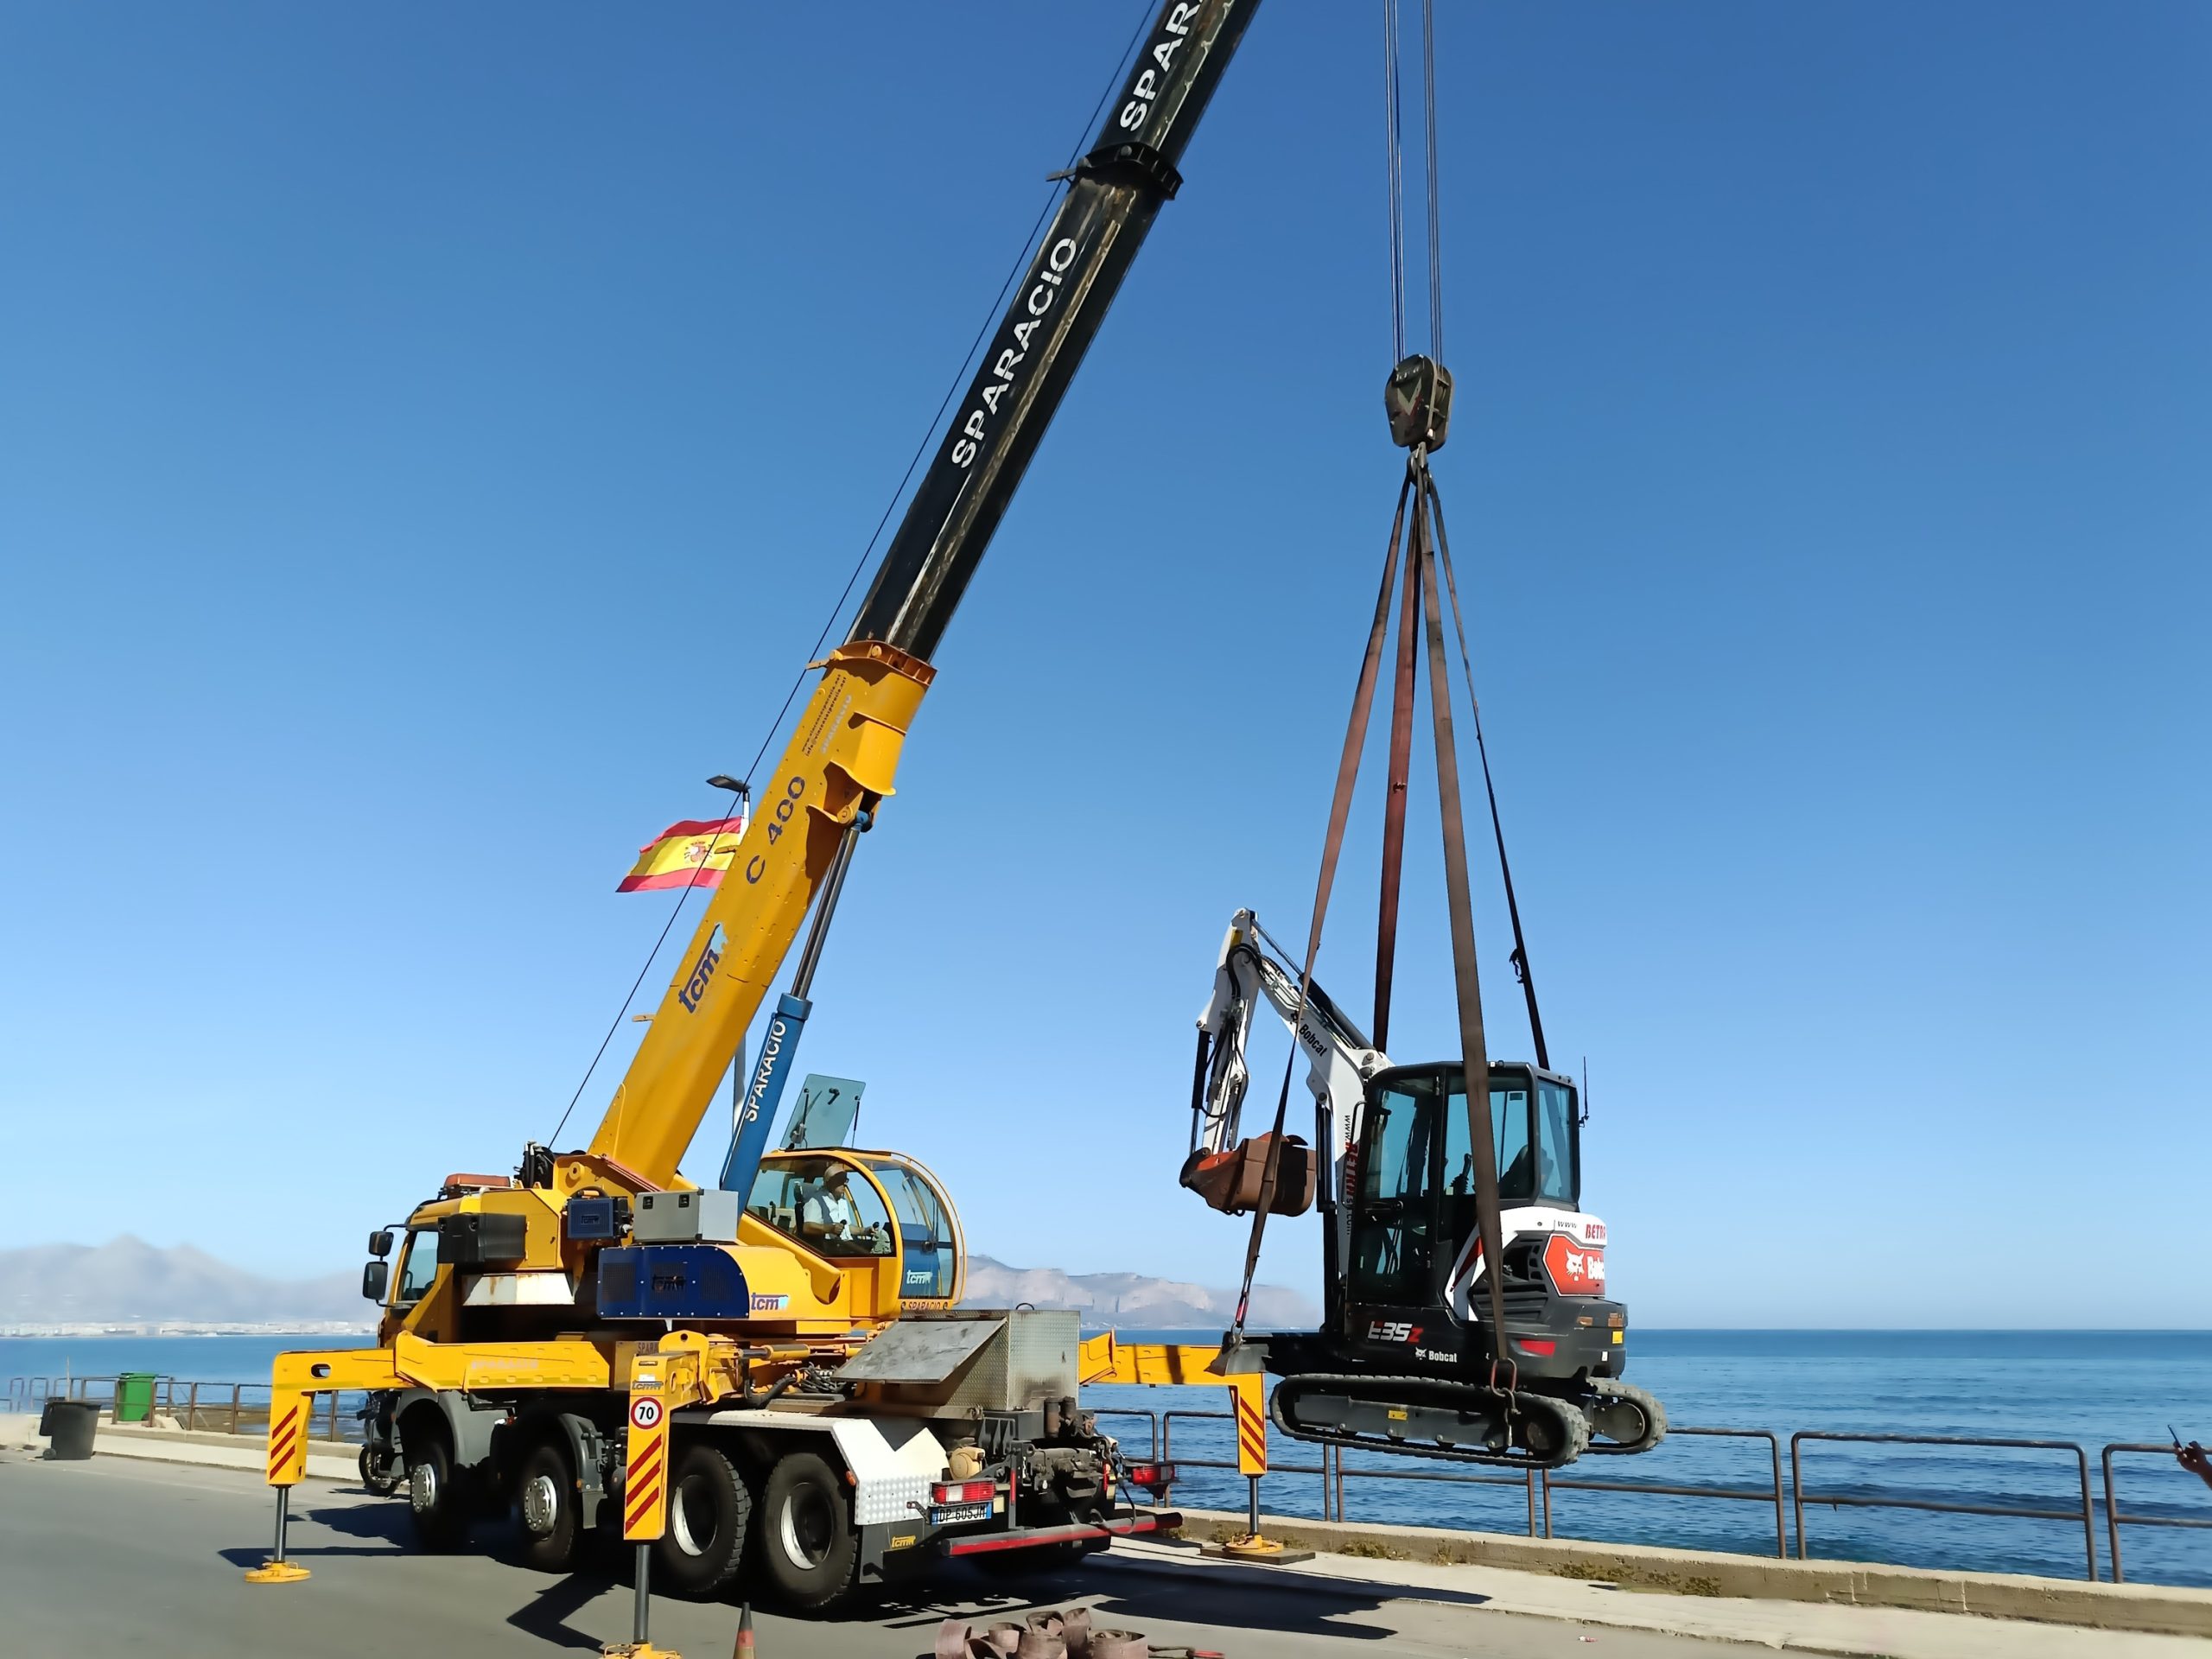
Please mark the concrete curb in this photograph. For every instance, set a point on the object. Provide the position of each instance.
(2154, 1609)
(327, 1459)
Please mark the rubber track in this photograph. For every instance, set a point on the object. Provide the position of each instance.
(1574, 1427)
(1655, 1418)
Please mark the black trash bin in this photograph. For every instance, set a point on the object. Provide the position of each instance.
(70, 1424)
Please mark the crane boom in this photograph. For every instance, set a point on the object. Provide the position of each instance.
(843, 755)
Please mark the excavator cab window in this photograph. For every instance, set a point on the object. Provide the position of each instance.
(1417, 1171)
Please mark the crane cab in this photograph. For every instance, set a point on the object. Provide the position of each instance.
(846, 1204)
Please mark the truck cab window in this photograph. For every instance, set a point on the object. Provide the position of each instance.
(417, 1267)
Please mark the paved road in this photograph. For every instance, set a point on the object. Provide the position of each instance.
(112, 1558)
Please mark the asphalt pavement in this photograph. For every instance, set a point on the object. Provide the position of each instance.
(112, 1557)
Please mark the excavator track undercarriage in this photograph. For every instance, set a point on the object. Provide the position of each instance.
(1429, 1417)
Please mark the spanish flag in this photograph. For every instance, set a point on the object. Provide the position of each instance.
(692, 854)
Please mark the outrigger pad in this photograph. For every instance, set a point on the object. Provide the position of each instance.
(1230, 1181)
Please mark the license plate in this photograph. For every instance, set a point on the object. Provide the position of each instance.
(955, 1515)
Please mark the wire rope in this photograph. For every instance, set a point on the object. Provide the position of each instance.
(928, 437)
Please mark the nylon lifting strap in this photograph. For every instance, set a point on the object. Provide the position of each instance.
(1394, 804)
(1362, 702)
(1474, 1053)
(1522, 971)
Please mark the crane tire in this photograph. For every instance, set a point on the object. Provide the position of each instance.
(709, 1512)
(434, 1500)
(809, 1550)
(376, 1478)
(547, 1499)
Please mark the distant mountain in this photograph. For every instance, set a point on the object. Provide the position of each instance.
(1132, 1300)
(128, 1281)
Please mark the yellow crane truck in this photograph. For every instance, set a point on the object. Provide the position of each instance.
(775, 1371)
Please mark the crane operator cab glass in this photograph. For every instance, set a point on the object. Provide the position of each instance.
(843, 1205)
(1415, 1205)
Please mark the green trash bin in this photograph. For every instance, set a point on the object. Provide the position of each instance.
(134, 1396)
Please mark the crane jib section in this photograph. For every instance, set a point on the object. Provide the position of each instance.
(846, 748)
(841, 759)
(1054, 313)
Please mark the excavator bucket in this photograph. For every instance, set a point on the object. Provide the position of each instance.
(1232, 1181)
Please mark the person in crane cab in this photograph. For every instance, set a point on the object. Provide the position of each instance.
(826, 1211)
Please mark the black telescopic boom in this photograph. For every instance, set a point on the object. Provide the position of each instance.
(1112, 196)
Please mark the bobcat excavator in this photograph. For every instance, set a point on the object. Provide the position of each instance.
(1401, 1360)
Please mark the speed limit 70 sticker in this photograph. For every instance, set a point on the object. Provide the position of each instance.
(644, 1485)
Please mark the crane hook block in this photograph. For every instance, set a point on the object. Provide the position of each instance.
(1418, 399)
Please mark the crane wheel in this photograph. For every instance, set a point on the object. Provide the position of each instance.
(377, 1478)
(809, 1552)
(709, 1512)
(434, 1500)
(545, 1495)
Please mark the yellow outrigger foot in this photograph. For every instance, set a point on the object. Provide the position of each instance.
(276, 1572)
(637, 1650)
(1253, 1546)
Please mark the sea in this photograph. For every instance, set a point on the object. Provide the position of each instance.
(2082, 1388)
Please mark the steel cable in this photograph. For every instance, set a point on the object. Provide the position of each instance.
(928, 437)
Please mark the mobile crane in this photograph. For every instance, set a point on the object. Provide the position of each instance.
(1398, 1362)
(828, 1412)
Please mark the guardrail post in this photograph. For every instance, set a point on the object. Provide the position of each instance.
(1797, 1490)
(192, 1408)
(1781, 1537)
(235, 1386)
(2088, 1514)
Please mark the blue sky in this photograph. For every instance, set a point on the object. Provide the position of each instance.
(428, 442)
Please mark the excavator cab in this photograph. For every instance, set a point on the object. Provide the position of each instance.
(1412, 1225)
(1407, 1358)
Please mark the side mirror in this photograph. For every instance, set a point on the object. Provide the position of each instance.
(380, 1243)
(375, 1277)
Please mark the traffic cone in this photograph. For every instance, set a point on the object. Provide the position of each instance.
(744, 1648)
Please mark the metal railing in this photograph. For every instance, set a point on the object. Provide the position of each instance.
(211, 1408)
(2086, 1515)
(2115, 1518)
(1773, 1494)
(243, 1409)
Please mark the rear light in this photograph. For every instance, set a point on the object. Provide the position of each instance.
(964, 1492)
(1154, 1478)
(1543, 1347)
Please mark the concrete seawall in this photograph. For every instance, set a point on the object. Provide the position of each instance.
(2154, 1608)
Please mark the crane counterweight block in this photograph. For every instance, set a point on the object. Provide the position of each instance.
(842, 757)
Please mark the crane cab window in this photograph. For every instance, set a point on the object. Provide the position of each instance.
(417, 1267)
(824, 1203)
(927, 1255)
